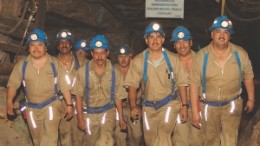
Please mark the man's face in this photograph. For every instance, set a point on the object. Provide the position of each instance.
(99, 56)
(183, 47)
(124, 60)
(81, 53)
(155, 41)
(220, 37)
(64, 46)
(37, 49)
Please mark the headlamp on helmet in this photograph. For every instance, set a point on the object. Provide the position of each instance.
(37, 35)
(124, 50)
(153, 27)
(181, 33)
(81, 44)
(64, 34)
(99, 42)
(222, 22)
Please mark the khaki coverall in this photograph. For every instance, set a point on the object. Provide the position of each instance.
(43, 123)
(221, 85)
(158, 124)
(100, 126)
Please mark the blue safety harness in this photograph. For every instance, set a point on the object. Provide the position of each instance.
(50, 100)
(171, 96)
(204, 68)
(100, 109)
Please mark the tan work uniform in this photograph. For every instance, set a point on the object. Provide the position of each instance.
(221, 85)
(69, 134)
(44, 122)
(158, 124)
(184, 133)
(99, 126)
(133, 136)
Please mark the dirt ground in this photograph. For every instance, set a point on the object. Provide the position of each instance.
(12, 133)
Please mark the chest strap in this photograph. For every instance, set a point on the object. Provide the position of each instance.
(145, 66)
(112, 93)
(219, 103)
(26, 91)
(204, 70)
(160, 103)
(42, 104)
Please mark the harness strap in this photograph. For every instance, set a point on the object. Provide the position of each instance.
(54, 71)
(159, 104)
(145, 75)
(76, 61)
(100, 109)
(204, 70)
(219, 103)
(41, 105)
(112, 93)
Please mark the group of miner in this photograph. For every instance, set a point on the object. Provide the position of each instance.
(156, 98)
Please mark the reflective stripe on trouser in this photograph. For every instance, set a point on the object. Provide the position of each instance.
(187, 135)
(65, 129)
(100, 128)
(69, 133)
(134, 131)
(43, 124)
(220, 121)
(158, 126)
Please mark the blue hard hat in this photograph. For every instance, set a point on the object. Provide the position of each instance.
(124, 50)
(153, 27)
(99, 42)
(37, 35)
(64, 34)
(80, 44)
(181, 33)
(222, 22)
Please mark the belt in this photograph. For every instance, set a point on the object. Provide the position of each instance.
(159, 104)
(43, 104)
(98, 110)
(219, 103)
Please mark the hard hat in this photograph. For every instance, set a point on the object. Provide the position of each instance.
(153, 27)
(222, 22)
(124, 50)
(37, 35)
(99, 42)
(64, 34)
(181, 33)
(80, 44)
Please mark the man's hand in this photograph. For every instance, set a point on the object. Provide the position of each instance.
(250, 106)
(123, 125)
(196, 120)
(10, 113)
(135, 112)
(68, 112)
(184, 114)
(81, 124)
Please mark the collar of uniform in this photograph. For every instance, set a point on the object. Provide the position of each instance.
(108, 66)
(210, 48)
(49, 60)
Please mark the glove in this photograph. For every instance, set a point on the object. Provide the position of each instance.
(11, 117)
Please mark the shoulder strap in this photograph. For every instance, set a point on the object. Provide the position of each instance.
(240, 68)
(170, 69)
(205, 61)
(23, 77)
(54, 71)
(76, 61)
(165, 55)
(204, 70)
(87, 83)
(112, 93)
